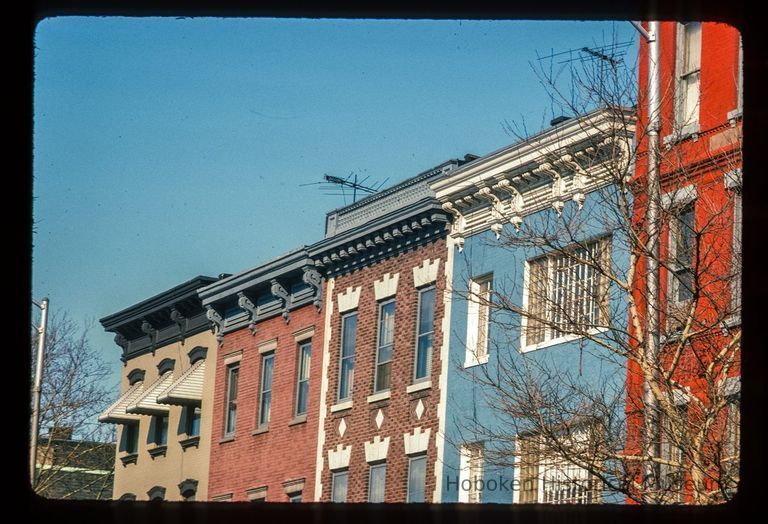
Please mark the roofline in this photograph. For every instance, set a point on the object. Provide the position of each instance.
(184, 290)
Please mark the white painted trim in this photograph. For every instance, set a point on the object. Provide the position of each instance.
(304, 334)
(233, 358)
(419, 386)
(267, 346)
(376, 450)
(341, 406)
(339, 458)
(561, 340)
(442, 379)
(386, 287)
(416, 442)
(679, 197)
(426, 273)
(74, 469)
(323, 391)
(349, 299)
(730, 386)
(733, 179)
(377, 396)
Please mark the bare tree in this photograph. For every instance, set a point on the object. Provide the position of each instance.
(579, 427)
(76, 451)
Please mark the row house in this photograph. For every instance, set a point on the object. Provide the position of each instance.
(163, 413)
(384, 261)
(534, 235)
(700, 257)
(269, 325)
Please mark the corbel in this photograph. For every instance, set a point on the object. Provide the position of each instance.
(181, 321)
(150, 330)
(497, 213)
(121, 341)
(314, 279)
(279, 292)
(458, 226)
(516, 202)
(558, 186)
(217, 323)
(245, 303)
(580, 179)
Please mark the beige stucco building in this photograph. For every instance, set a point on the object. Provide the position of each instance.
(164, 410)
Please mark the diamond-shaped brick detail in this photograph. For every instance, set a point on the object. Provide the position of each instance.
(379, 419)
(342, 427)
(419, 409)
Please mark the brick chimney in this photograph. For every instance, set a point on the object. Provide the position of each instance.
(62, 433)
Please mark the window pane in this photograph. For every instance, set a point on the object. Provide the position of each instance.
(376, 483)
(193, 421)
(537, 301)
(384, 352)
(339, 487)
(303, 378)
(424, 356)
(161, 430)
(232, 399)
(346, 374)
(426, 311)
(266, 389)
(417, 470)
(692, 43)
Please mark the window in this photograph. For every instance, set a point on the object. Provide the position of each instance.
(346, 374)
(265, 393)
(688, 76)
(376, 482)
(528, 467)
(740, 78)
(384, 349)
(302, 379)
(233, 373)
(130, 438)
(471, 472)
(424, 333)
(671, 448)
(681, 247)
(294, 497)
(339, 486)
(736, 271)
(478, 312)
(731, 441)
(565, 293)
(160, 433)
(417, 475)
(192, 427)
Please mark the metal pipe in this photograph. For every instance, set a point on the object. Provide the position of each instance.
(38, 388)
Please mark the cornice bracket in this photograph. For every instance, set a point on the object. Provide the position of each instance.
(150, 330)
(458, 226)
(558, 186)
(313, 278)
(279, 292)
(516, 202)
(245, 303)
(181, 321)
(217, 322)
(497, 209)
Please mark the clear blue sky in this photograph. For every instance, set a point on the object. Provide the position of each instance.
(165, 148)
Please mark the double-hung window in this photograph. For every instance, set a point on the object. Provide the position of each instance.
(192, 423)
(671, 450)
(731, 440)
(302, 379)
(471, 472)
(417, 476)
(160, 432)
(478, 317)
(265, 390)
(347, 364)
(424, 333)
(682, 243)
(384, 346)
(733, 181)
(233, 373)
(566, 293)
(339, 485)
(130, 437)
(688, 77)
(377, 479)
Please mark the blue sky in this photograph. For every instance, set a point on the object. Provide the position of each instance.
(167, 148)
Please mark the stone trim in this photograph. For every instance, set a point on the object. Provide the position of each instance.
(426, 273)
(349, 299)
(679, 197)
(267, 346)
(197, 353)
(256, 493)
(341, 406)
(136, 375)
(419, 386)
(387, 286)
(376, 450)
(339, 458)
(416, 442)
(304, 334)
(384, 395)
(165, 365)
(324, 385)
(233, 358)
(733, 179)
(293, 486)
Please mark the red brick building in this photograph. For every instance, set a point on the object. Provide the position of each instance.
(269, 324)
(700, 258)
(384, 260)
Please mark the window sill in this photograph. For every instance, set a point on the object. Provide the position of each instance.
(341, 406)
(190, 441)
(376, 397)
(733, 321)
(472, 361)
(227, 438)
(158, 451)
(260, 430)
(733, 116)
(560, 340)
(298, 419)
(130, 458)
(419, 386)
(690, 131)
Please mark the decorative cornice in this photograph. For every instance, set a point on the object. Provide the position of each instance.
(313, 278)
(217, 322)
(516, 202)
(497, 209)
(458, 226)
(181, 321)
(279, 292)
(245, 303)
(150, 330)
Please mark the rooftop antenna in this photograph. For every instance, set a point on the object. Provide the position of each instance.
(337, 186)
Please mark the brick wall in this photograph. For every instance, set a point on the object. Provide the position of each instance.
(287, 450)
(399, 411)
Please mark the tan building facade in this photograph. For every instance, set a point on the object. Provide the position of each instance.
(164, 410)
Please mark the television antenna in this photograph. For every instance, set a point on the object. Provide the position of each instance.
(336, 186)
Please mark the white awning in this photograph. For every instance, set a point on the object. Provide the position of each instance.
(146, 403)
(116, 413)
(188, 388)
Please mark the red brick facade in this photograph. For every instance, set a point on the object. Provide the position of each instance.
(399, 411)
(287, 450)
(701, 161)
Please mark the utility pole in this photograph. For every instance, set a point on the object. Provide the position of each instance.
(43, 305)
(653, 192)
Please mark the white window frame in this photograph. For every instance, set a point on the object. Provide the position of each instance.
(471, 467)
(299, 381)
(378, 363)
(549, 339)
(419, 335)
(680, 399)
(683, 125)
(262, 424)
(350, 379)
(334, 475)
(371, 468)
(230, 401)
(733, 182)
(478, 320)
(411, 459)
